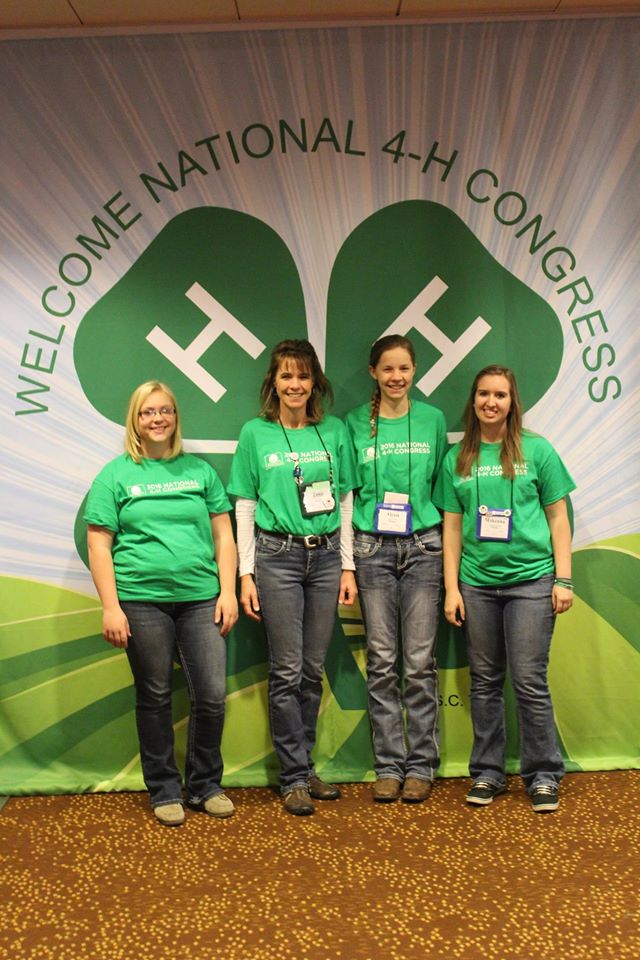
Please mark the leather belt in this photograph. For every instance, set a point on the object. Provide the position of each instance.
(310, 542)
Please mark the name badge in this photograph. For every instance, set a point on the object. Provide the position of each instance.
(393, 518)
(316, 498)
(494, 524)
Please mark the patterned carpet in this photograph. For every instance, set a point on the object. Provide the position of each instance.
(96, 878)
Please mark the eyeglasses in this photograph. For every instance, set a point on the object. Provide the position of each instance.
(150, 412)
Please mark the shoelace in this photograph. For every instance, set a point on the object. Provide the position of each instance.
(545, 790)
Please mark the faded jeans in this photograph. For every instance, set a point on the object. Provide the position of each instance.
(160, 634)
(399, 581)
(513, 626)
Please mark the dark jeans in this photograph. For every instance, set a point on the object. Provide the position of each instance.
(161, 633)
(298, 590)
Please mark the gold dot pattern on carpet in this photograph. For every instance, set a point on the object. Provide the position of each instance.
(97, 878)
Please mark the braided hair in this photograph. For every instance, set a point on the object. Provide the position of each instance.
(390, 342)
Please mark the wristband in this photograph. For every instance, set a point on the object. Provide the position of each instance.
(563, 582)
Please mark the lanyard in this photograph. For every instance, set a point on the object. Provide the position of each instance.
(375, 454)
(297, 470)
(478, 490)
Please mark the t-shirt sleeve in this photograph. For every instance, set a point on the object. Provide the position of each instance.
(351, 426)
(554, 479)
(347, 467)
(444, 493)
(441, 443)
(243, 480)
(216, 497)
(102, 509)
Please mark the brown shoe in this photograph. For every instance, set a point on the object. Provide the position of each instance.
(416, 790)
(298, 802)
(320, 790)
(386, 790)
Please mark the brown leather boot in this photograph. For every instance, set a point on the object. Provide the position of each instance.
(386, 790)
(416, 790)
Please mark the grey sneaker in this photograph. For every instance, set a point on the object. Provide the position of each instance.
(545, 798)
(483, 793)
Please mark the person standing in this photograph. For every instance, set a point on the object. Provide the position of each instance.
(507, 571)
(399, 444)
(293, 476)
(163, 559)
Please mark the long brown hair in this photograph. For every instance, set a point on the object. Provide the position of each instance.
(304, 356)
(391, 342)
(511, 449)
(139, 397)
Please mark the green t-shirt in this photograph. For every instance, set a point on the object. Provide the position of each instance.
(262, 470)
(160, 512)
(542, 479)
(389, 460)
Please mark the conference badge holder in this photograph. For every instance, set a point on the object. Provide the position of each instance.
(393, 516)
(494, 524)
(316, 498)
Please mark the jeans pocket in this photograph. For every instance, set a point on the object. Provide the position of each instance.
(267, 546)
(333, 543)
(430, 542)
(365, 545)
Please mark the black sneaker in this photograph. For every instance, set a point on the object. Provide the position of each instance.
(545, 798)
(483, 793)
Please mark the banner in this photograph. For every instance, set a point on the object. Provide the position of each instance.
(174, 205)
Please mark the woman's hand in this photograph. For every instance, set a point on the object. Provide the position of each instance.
(452, 551)
(561, 598)
(454, 607)
(560, 530)
(348, 588)
(226, 615)
(115, 627)
(249, 597)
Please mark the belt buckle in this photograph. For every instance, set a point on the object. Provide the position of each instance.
(312, 541)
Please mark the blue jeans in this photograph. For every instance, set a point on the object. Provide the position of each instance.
(298, 590)
(513, 626)
(399, 582)
(160, 634)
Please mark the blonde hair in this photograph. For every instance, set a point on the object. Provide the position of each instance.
(511, 447)
(132, 442)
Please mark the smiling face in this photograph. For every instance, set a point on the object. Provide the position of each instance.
(394, 374)
(492, 403)
(293, 385)
(155, 427)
